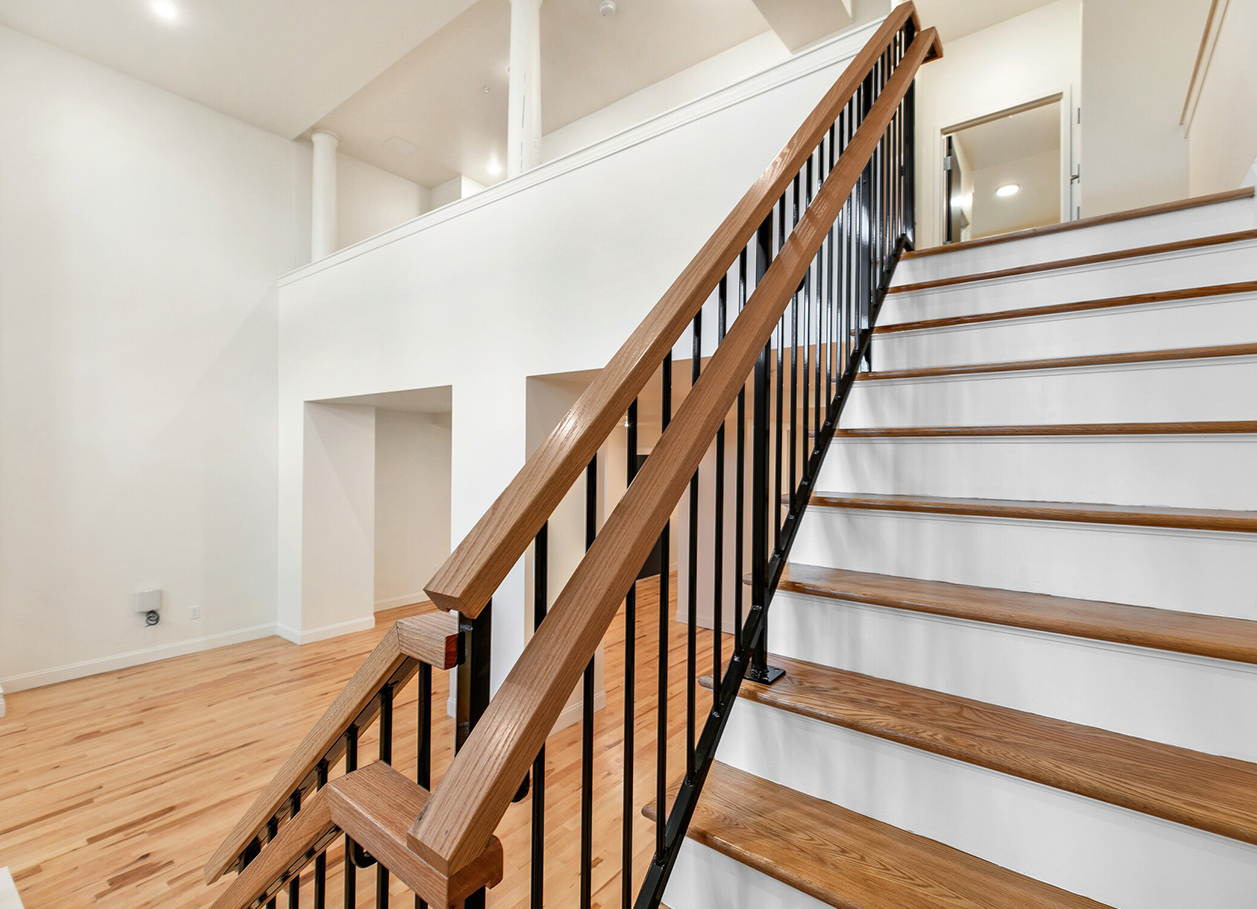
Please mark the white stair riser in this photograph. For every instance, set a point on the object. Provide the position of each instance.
(1192, 571)
(1196, 323)
(1116, 856)
(1179, 699)
(1213, 471)
(703, 878)
(1221, 388)
(1221, 264)
(1205, 221)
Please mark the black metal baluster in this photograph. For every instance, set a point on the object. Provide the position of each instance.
(320, 860)
(691, 625)
(718, 543)
(541, 570)
(739, 500)
(474, 683)
(351, 870)
(272, 828)
(628, 809)
(423, 738)
(294, 885)
(781, 340)
(386, 756)
(817, 301)
(805, 298)
(759, 670)
(587, 715)
(661, 740)
(797, 445)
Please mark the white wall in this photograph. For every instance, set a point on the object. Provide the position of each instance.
(1222, 126)
(1136, 63)
(542, 274)
(1031, 56)
(713, 74)
(412, 503)
(140, 239)
(370, 200)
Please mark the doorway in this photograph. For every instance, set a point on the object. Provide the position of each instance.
(1007, 171)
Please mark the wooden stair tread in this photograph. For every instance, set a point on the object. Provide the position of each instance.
(1216, 637)
(1081, 513)
(1112, 218)
(1212, 427)
(849, 860)
(1207, 792)
(1114, 359)
(1029, 312)
(1076, 261)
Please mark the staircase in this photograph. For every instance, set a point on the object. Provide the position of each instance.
(1018, 624)
(995, 647)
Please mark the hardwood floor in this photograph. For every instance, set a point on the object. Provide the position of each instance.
(115, 789)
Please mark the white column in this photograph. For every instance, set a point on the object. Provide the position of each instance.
(523, 133)
(323, 240)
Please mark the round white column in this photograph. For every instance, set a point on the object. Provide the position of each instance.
(523, 133)
(323, 241)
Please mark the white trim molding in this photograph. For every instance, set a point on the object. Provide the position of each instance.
(2, 709)
(410, 599)
(309, 636)
(85, 668)
(827, 53)
(1204, 56)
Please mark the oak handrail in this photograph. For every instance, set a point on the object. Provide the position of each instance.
(430, 638)
(468, 578)
(464, 809)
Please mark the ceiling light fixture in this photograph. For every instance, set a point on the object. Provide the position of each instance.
(165, 9)
(495, 167)
(607, 8)
(1008, 189)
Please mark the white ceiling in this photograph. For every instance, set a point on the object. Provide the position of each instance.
(278, 64)
(434, 98)
(957, 18)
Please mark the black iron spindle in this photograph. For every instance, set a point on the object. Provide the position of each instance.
(320, 860)
(661, 732)
(587, 715)
(718, 527)
(351, 869)
(540, 603)
(691, 625)
(628, 809)
(739, 500)
(294, 885)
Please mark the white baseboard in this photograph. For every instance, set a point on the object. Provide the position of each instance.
(8, 891)
(407, 600)
(79, 670)
(1, 703)
(309, 636)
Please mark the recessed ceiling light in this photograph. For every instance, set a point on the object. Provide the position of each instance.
(495, 167)
(607, 8)
(165, 9)
(1008, 189)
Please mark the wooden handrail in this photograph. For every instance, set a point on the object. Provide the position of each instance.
(373, 806)
(464, 809)
(467, 579)
(430, 638)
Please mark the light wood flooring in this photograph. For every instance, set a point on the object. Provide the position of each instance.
(115, 789)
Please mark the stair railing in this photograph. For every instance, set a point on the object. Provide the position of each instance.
(814, 244)
(793, 280)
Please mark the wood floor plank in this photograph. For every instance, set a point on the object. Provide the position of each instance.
(1030, 312)
(1204, 791)
(1238, 236)
(1216, 637)
(1080, 513)
(1115, 359)
(1130, 214)
(851, 861)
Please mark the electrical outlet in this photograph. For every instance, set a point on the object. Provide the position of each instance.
(194, 612)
